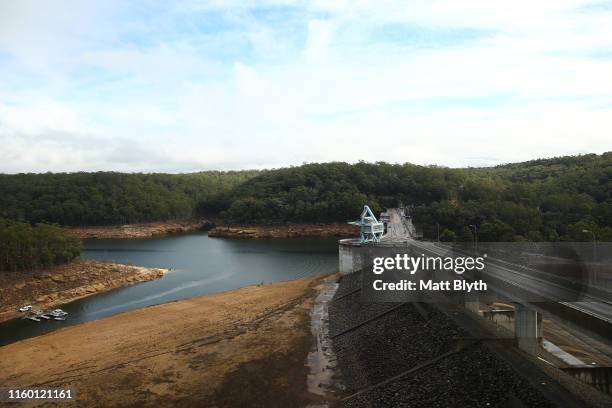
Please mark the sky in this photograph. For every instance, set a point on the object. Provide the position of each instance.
(199, 85)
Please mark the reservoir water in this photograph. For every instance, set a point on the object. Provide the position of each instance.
(200, 265)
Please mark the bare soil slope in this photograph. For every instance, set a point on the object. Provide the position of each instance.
(243, 347)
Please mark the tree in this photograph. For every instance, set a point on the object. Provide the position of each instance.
(25, 247)
(448, 236)
(465, 235)
(583, 230)
(495, 231)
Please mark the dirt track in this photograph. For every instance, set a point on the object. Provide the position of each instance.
(246, 345)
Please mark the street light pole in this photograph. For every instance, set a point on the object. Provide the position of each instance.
(438, 226)
(475, 236)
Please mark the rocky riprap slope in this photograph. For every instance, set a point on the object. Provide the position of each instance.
(407, 337)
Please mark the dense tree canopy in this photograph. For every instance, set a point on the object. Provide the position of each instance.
(551, 199)
(110, 198)
(548, 199)
(23, 246)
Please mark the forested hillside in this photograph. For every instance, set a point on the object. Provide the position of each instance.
(110, 198)
(548, 199)
(23, 246)
(567, 198)
(551, 199)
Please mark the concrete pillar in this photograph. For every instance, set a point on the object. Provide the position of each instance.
(472, 302)
(527, 328)
(502, 317)
(350, 258)
(345, 258)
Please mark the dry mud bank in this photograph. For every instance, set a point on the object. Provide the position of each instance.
(65, 283)
(145, 230)
(216, 229)
(285, 231)
(245, 347)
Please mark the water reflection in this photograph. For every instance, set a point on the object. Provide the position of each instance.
(200, 265)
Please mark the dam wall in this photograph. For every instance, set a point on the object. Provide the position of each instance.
(350, 258)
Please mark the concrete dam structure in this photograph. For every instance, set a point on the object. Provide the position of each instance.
(549, 330)
(398, 231)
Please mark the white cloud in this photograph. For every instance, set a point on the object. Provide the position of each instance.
(206, 85)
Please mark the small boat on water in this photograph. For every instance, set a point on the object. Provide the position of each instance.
(57, 313)
(36, 315)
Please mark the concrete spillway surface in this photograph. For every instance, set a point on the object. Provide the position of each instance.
(417, 356)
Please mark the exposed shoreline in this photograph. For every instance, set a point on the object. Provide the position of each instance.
(215, 228)
(203, 350)
(285, 231)
(143, 230)
(66, 283)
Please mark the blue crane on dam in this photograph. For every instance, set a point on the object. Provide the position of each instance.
(370, 229)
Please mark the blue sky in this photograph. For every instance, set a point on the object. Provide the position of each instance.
(195, 85)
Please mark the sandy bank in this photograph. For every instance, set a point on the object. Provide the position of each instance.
(285, 231)
(245, 347)
(148, 230)
(145, 230)
(65, 283)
